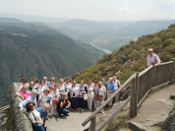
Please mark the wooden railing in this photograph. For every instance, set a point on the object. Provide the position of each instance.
(141, 84)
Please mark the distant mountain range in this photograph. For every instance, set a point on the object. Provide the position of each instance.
(109, 35)
(104, 34)
(34, 50)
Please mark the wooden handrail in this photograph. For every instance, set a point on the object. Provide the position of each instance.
(114, 114)
(146, 70)
(109, 99)
(133, 98)
(166, 63)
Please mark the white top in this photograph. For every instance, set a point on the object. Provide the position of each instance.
(37, 116)
(90, 90)
(61, 88)
(46, 84)
(102, 91)
(40, 89)
(69, 86)
(116, 85)
(51, 94)
(43, 99)
(35, 86)
(74, 91)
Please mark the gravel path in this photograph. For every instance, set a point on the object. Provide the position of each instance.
(69, 123)
(155, 108)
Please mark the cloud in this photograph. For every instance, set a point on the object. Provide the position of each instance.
(105, 10)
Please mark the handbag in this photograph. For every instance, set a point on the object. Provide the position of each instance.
(85, 97)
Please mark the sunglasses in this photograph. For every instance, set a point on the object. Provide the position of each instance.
(52, 80)
(32, 105)
(31, 84)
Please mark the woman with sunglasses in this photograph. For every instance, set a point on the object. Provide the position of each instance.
(68, 86)
(74, 94)
(35, 80)
(90, 95)
(31, 86)
(34, 116)
(52, 81)
(101, 94)
(25, 93)
(43, 98)
(61, 88)
(83, 91)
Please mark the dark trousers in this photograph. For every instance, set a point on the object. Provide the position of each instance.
(74, 103)
(63, 111)
(81, 102)
(38, 128)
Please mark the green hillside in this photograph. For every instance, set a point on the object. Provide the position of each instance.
(110, 35)
(131, 57)
(33, 50)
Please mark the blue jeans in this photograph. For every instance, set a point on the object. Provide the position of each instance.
(74, 103)
(63, 111)
(38, 128)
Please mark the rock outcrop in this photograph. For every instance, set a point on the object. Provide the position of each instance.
(19, 119)
(169, 123)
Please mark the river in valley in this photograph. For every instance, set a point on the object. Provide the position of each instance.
(106, 51)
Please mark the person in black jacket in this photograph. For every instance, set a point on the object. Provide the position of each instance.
(63, 106)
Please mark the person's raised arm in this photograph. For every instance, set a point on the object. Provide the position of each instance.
(104, 81)
(61, 104)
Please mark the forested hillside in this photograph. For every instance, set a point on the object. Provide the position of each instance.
(33, 50)
(131, 57)
(110, 35)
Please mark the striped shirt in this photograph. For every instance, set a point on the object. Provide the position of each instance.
(152, 59)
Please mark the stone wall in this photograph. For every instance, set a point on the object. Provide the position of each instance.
(19, 119)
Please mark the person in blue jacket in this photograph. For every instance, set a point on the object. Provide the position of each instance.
(30, 98)
(110, 89)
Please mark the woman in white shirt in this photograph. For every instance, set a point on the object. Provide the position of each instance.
(90, 95)
(34, 116)
(74, 94)
(116, 86)
(68, 86)
(61, 88)
(101, 94)
(56, 95)
(43, 98)
(50, 100)
(41, 87)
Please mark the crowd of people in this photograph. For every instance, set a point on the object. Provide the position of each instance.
(49, 98)
(46, 99)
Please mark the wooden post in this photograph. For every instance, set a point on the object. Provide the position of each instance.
(93, 124)
(134, 97)
(173, 79)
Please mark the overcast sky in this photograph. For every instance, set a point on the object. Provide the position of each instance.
(100, 10)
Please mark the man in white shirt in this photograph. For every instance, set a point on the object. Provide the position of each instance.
(116, 86)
